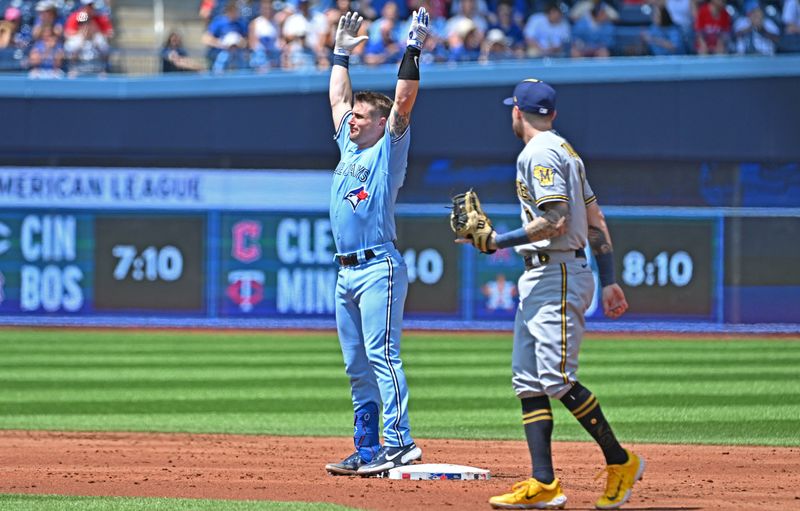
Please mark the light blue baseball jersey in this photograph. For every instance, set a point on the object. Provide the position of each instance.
(364, 189)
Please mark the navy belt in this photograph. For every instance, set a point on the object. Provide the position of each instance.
(352, 259)
(544, 258)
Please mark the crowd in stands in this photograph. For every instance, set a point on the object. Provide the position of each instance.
(55, 38)
(298, 34)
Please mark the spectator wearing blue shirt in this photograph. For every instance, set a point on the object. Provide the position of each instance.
(519, 9)
(297, 54)
(175, 58)
(263, 39)
(548, 33)
(390, 13)
(593, 34)
(219, 36)
(210, 9)
(510, 28)
(402, 8)
(468, 10)
(496, 47)
(315, 27)
(384, 49)
(791, 16)
(46, 58)
(663, 37)
(465, 41)
(47, 19)
(755, 33)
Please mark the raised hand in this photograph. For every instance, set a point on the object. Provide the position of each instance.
(347, 36)
(419, 29)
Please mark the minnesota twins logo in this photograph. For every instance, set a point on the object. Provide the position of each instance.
(246, 288)
(354, 197)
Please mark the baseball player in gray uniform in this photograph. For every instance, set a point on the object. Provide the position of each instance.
(559, 212)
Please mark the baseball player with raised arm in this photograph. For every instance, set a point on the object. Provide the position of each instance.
(373, 136)
(559, 212)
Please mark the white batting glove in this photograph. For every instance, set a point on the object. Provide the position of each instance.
(420, 21)
(347, 36)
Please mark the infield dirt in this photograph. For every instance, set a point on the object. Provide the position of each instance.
(678, 477)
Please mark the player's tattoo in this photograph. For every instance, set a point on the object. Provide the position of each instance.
(398, 122)
(598, 241)
(551, 224)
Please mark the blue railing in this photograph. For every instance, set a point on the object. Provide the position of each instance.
(557, 71)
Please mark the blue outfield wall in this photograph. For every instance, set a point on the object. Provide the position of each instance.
(731, 109)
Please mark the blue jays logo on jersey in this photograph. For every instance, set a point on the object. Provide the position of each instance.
(355, 196)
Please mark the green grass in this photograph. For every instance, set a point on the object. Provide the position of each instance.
(671, 391)
(69, 503)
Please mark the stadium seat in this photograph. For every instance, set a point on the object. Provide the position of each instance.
(628, 41)
(634, 15)
(789, 43)
(10, 60)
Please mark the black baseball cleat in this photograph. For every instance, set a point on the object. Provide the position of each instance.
(346, 467)
(389, 458)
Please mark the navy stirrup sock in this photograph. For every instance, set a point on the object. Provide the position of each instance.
(585, 407)
(537, 418)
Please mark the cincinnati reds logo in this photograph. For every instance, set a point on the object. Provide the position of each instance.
(354, 197)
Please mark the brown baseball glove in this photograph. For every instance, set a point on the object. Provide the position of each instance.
(469, 221)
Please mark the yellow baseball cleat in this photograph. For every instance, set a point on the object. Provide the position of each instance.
(531, 494)
(620, 482)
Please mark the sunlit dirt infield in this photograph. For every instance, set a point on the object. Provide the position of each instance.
(242, 467)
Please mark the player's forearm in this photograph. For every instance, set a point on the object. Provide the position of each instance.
(600, 242)
(404, 97)
(599, 236)
(551, 224)
(340, 90)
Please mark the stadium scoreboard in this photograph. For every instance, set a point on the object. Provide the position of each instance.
(237, 245)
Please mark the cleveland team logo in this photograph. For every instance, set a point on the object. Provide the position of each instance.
(354, 197)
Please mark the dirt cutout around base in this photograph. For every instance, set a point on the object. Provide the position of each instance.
(678, 477)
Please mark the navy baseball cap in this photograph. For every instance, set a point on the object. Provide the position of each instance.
(533, 96)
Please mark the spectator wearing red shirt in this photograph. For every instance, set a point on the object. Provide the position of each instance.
(713, 27)
(101, 21)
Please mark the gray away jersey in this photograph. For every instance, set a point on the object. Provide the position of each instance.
(548, 170)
